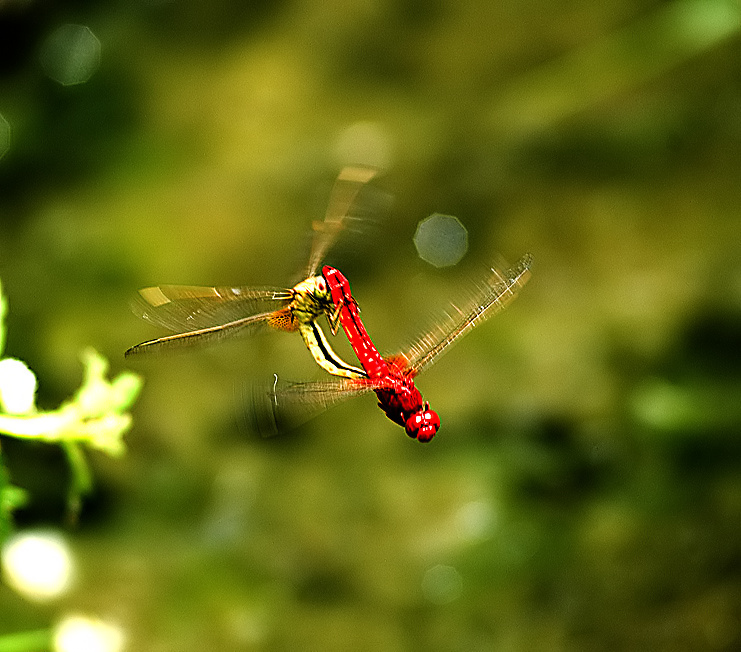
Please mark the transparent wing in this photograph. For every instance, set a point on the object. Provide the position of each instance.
(345, 190)
(487, 298)
(282, 406)
(201, 336)
(186, 308)
(201, 315)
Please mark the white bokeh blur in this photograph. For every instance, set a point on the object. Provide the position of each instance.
(17, 387)
(78, 633)
(37, 565)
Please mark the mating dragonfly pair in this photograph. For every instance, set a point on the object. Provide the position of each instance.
(205, 314)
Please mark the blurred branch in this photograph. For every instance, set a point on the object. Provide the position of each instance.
(612, 65)
(96, 416)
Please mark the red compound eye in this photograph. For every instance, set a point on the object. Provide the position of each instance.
(423, 425)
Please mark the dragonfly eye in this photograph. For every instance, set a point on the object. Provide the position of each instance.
(321, 285)
(423, 425)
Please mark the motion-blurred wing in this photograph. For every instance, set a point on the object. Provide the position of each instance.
(282, 405)
(345, 190)
(492, 295)
(204, 314)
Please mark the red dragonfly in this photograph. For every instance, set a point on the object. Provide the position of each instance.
(391, 378)
(206, 314)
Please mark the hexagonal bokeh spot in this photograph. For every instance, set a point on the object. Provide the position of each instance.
(4, 136)
(441, 240)
(71, 54)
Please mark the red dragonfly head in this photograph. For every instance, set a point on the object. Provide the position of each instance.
(423, 425)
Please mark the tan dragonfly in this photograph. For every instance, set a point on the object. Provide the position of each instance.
(207, 314)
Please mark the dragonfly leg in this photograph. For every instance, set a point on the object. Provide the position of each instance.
(334, 317)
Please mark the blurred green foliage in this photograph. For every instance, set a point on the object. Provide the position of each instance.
(585, 481)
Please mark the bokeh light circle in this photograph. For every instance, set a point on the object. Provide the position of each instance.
(38, 565)
(71, 54)
(442, 584)
(441, 240)
(364, 143)
(75, 632)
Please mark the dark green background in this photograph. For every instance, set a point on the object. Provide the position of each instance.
(585, 482)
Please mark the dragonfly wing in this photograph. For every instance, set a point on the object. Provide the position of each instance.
(200, 336)
(282, 406)
(490, 296)
(345, 190)
(188, 308)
